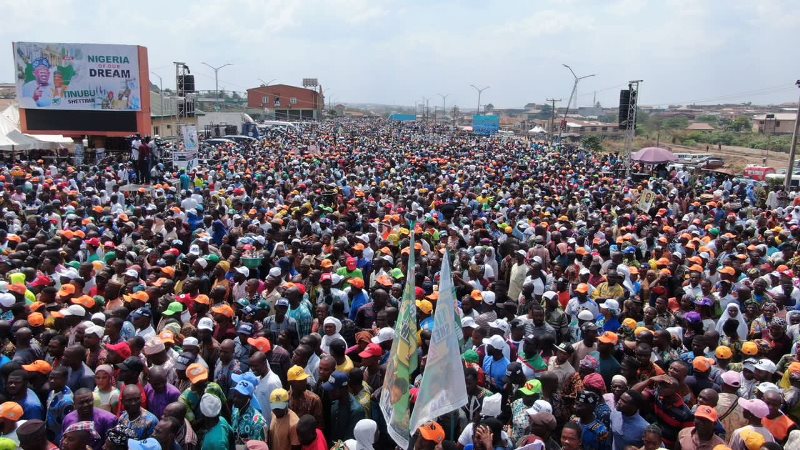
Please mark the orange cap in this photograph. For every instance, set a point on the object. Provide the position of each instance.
(39, 366)
(11, 411)
(432, 431)
(223, 309)
(261, 344)
(702, 364)
(196, 373)
(582, 288)
(35, 319)
(202, 299)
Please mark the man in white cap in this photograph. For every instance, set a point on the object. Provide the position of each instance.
(495, 362)
(219, 433)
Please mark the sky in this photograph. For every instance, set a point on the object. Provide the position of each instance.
(373, 51)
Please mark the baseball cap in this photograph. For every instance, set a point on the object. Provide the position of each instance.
(582, 288)
(261, 344)
(432, 431)
(282, 302)
(755, 406)
(609, 337)
(202, 299)
(132, 364)
(540, 406)
(337, 380)
(35, 319)
(706, 412)
(750, 348)
(766, 365)
(468, 322)
(173, 308)
(724, 352)
(476, 295)
(245, 329)
(564, 347)
(245, 387)
(753, 440)
(196, 373)
(74, 310)
(145, 444)
(205, 324)
(296, 373)
(279, 399)
(425, 306)
(223, 309)
(702, 364)
(731, 378)
(66, 289)
(385, 334)
(495, 341)
(96, 330)
(749, 364)
(38, 366)
(191, 341)
(489, 297)
(371, 350)
(514, 368)
(243, 270)
(531, 387)
(122, 349)
(11, 411)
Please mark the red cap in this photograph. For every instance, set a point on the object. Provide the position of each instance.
(41, 280)
(121, 349)
(371, 350)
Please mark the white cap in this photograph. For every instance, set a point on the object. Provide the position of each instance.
(202, 262)
(243, 270)
(584, 271)
(210, 405)
(191, 341)
(336, 279)
(194, 249)
(74, 310)
(549, 295)
(500, 324)
(275, 272)
(132, 273)
(540, 406)
(3, 286)
(95, 330)
(205, 324)
(766, 365)
(468, 322)
(492, 405)
(99, 316)
(767, 386)
(495, 341)
(154, 346)
(611, 304)
(385, 334)
(585, 314)
(488, 297)
(7, 299)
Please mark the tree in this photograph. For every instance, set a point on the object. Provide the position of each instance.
(592, 143)
(740, 124)
(676, 123)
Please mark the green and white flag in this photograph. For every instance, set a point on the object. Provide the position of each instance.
(443, 389)
(403, 361)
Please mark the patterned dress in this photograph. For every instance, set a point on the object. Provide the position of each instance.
(248, 424)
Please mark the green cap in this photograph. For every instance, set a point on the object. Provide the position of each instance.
(397, 273)
(212, 258)
(470, 356)
(74, 264)
(531, 387)
(262, 305)
(110, 256)
(173, 308)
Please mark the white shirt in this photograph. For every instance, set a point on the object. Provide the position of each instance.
(266, 385)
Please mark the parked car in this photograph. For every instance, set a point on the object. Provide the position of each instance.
(710, 162)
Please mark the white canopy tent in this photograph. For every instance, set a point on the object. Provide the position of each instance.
(537, 130)
(12, 139)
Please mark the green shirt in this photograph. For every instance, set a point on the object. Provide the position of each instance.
(220, 436)
(191, 399)
(345, 421)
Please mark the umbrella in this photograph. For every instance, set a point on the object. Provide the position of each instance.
(653, 155)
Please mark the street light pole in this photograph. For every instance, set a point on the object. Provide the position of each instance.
(480, 91)
(793, 148)
(444, 104)
(216, 78)
(571, 95)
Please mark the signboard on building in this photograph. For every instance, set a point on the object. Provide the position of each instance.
(485, 125)
(310, 82)
(77, 76)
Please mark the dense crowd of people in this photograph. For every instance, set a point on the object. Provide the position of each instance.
(251, 302)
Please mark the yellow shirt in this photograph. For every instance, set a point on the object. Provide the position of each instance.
(605, 291)
(346, 366)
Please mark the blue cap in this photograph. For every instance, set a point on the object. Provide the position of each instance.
(245, 328)
(247, 376)
(245, 388)
(282, 302)
(43, 61)
(337, 380)
(629, 250)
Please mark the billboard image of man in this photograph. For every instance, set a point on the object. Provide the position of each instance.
(39, 88)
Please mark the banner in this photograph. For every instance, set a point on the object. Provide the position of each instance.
(189, 133)
(397, 117)
(77, 76)
(485, 125)
(443, 389)
(403, 360)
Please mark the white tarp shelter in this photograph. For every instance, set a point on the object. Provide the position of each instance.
(537, 130)
(12, 139)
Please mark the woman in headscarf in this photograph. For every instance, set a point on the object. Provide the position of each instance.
(331, 327)
(733, 312)
(365, 434)
(106, 394)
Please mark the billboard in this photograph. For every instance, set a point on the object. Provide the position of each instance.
(485, 125)
(61, 76)
(403, 117)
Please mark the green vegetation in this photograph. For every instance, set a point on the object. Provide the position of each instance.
(593, 143)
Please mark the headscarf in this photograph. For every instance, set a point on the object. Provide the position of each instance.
(224, 265)
(595, 381)
(741, 328)
(364, 434)
(327, 340)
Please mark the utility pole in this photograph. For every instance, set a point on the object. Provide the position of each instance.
(572, 94)
(216, 79)
(793, 148)
(480, 91)
(552, 116)
(444, 104)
